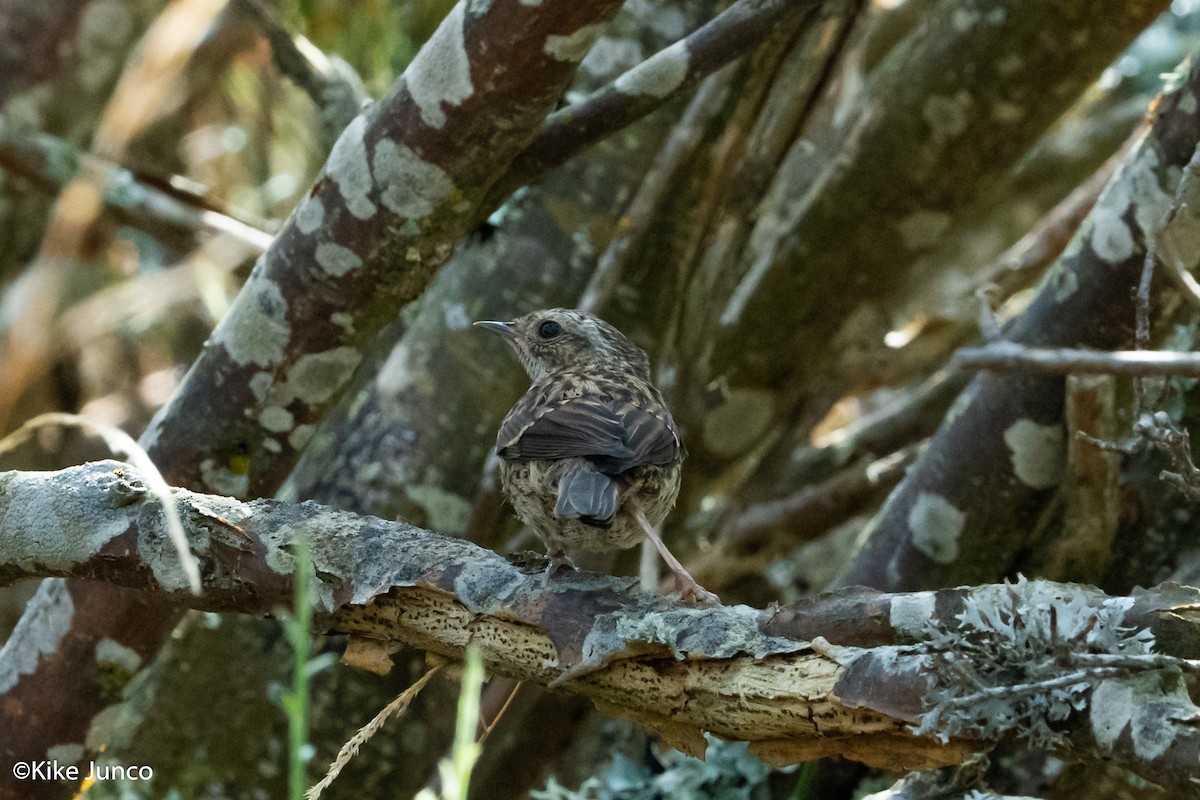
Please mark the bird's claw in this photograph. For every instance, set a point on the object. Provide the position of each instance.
(559, 562)
(689, 591)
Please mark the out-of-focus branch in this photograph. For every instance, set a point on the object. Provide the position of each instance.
(329, 82)
(646, 87)
(173, 212)
(1011, 356)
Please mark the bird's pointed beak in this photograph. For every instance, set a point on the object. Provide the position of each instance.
(505, 329)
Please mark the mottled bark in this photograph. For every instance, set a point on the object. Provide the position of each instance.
(973, 499)
(386, 212)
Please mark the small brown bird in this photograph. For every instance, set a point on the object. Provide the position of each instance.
(589, 456)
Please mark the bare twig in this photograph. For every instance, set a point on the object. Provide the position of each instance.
(1010, 356)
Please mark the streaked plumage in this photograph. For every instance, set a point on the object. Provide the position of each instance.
(592, 442)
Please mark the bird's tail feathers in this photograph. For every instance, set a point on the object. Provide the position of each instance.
(588, 496)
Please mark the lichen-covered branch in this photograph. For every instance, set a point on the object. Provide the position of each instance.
(852, 674)
(395, 196)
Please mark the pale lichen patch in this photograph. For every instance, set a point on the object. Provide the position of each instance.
(1111, 238)
(936, 525)
(574, 46)
(104, 28)
(310, 215)
(445, 511)
(276, 419)
(255, 330)
(40, 630)
(411, 186)
(911, 613)
(300, 437)
(223, 480)
(441, 72)
(1063, 282)
(1036, 452)
(348, 168)
(659, 75)
(316, 377)
(336, 259)
(69, 753)
(110, 651)
(484, 587)
(923, 229)
(260, 384)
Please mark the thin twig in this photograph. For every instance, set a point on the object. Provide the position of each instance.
(633, 224)
(350, 749)
(1013, 357)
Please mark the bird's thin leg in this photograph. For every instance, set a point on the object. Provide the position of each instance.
(685, 584)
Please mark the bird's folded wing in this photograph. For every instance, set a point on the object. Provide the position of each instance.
(614, 434)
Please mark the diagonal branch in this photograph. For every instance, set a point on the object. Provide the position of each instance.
(648, 86)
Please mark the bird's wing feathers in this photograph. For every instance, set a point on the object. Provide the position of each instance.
(615, 434)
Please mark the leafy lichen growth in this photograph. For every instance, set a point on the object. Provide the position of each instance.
(1012, 664)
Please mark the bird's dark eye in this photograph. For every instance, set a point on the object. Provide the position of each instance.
(549, 329)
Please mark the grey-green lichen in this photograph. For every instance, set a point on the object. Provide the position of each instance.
(441, 72)
(1002, 665)
(336, 259)
(1037, 453)
(410, 186)
(686, 632)
(574, 46)
(255, 330)
(38, 633)
(349, 169)
(659, 75)
(936, 525)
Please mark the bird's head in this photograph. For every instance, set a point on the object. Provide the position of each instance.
(559, 338)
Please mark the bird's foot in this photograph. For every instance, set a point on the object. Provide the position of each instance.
(558, 562)
(689, 591)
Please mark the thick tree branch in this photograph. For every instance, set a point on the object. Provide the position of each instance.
(877, 664)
